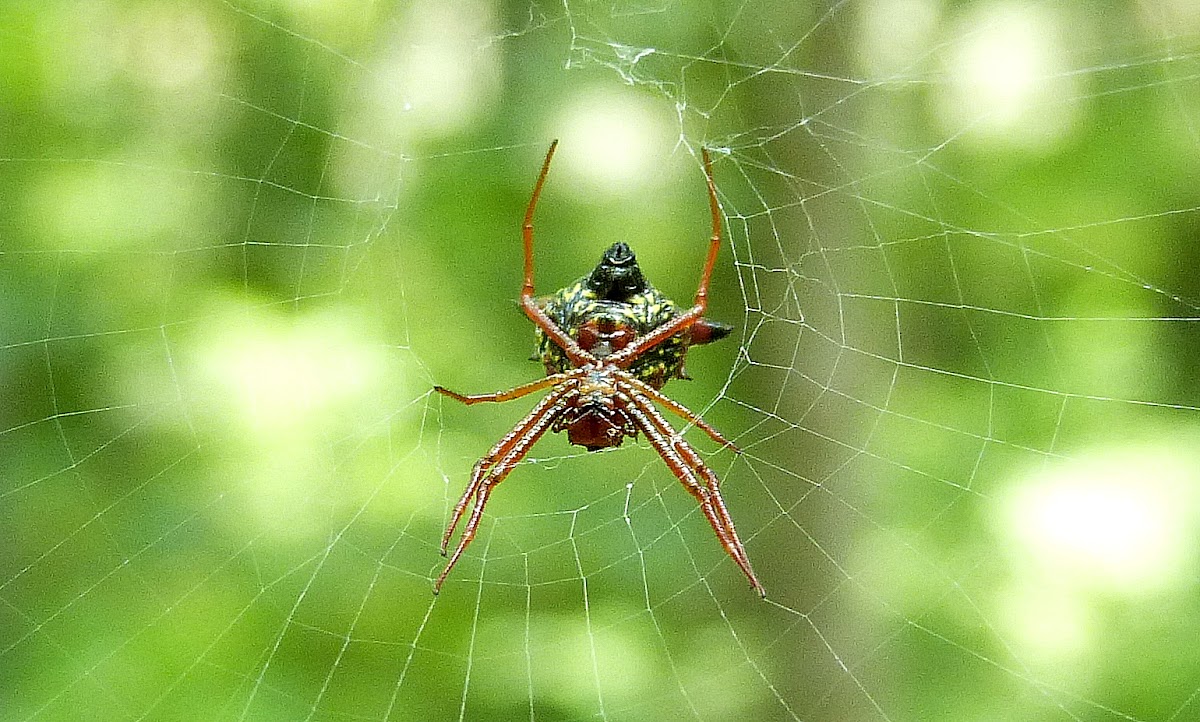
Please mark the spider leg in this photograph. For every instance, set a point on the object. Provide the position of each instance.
(578, 356)
(574, 351)
(494, 467)
(513, 393)
(714, 243)
(713, 487)
(629, 354)
(626, 356)
(502, 447)
(676, 408)
(683, 461)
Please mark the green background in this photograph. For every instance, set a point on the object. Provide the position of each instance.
(241, 241)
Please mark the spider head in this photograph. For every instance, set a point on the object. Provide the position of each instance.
(617, 277)
(595, 419)
(594, 430)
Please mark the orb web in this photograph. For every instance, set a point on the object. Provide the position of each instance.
(245, 240)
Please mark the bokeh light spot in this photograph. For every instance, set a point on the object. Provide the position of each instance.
(1119, 521)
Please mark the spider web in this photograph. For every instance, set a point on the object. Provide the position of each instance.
(242, 241)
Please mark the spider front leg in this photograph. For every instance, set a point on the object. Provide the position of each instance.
(578, 356)
(495, 466)
(629, 354)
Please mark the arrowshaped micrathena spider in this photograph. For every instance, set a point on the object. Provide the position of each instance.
(609, 342)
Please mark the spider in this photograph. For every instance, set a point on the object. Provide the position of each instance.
(608, 342)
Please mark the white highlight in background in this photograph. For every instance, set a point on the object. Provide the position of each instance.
(1118, 523)
(1121, 520)
(434, 77)
(288, 373)
(614, 141)
(278, 388)
(1008, 77)
(895, 36)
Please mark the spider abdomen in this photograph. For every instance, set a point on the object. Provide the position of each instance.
(612, 306)
(604, 335)
(602, 326)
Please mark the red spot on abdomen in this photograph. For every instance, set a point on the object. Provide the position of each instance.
(595, 334)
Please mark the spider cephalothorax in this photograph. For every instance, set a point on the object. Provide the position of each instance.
(609, 342)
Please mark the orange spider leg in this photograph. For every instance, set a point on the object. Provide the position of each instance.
(578, 356)
(492, 468)
(678, 409)
(500, 449)
(713, 484)
(683, 461)
(513, 393)
(629, 354)
(694, 462)
(714, 244)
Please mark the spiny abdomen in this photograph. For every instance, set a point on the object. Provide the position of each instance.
(576, 307)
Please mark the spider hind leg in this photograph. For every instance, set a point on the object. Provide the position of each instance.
(699, 481)
(495, 466)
